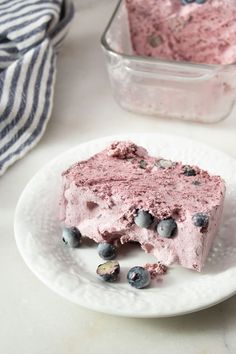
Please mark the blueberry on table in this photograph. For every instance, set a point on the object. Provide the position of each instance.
(167, 228)
(200, 219)
(138, 277)
(143, 219)
(109, 271)
(107, 250)
(71, 236)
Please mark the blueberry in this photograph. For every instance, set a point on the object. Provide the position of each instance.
(138, 277)
(107, 250)
(142, 164)
(185, 2)
(71, 236)
(189, 171)
(196, 183)
(109, 271)
(155, 41)
(200, 219)
(143, 219)
(200, 1)
(167, 228)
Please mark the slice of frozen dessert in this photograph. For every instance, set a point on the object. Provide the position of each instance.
(201, 31)
(123, 194)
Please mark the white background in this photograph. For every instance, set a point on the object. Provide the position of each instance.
(34, 320)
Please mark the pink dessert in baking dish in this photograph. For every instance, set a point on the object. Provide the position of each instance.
(198, 31)
(123, 194)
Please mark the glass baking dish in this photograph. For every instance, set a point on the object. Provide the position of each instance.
(188, 91)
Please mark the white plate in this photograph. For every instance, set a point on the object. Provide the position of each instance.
(71, 272)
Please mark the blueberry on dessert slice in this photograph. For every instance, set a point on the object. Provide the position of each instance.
(189, 171)
(167, 228)
(143, 219)
(200, 219)
(186, 2)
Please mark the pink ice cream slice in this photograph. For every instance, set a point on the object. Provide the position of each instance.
(167, 29)
(101, 197)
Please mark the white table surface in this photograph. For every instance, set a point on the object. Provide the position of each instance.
(33, 319)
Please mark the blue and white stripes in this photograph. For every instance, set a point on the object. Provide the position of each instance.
(31, 32)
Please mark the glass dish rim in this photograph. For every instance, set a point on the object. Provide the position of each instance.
(140, 58)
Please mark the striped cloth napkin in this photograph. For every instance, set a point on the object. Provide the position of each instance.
(31, 32)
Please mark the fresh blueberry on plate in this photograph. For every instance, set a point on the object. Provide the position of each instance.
(109, 271)
(138, 277)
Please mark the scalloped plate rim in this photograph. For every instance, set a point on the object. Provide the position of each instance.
(223, 297)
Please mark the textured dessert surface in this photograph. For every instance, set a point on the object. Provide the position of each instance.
(167, 29)
(103, 195)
